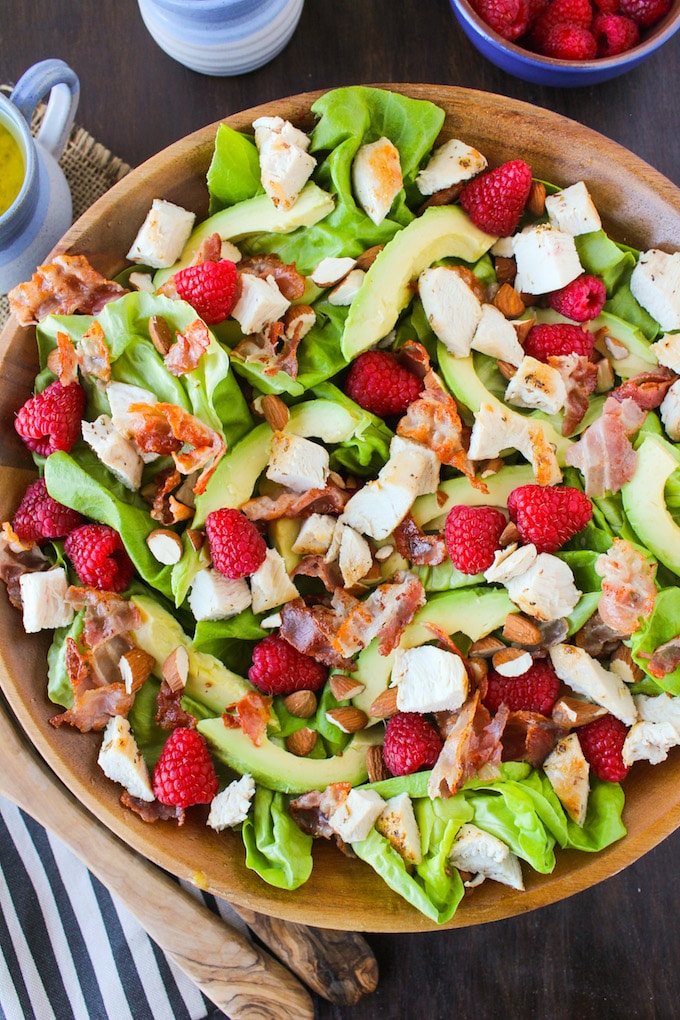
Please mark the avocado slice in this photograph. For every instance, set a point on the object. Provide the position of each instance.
(428, 512)
(645, 504)
(278, 769)
(254, 216)
(441, 232)
(209, 681)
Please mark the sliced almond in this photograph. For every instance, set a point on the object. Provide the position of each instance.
(161, 334)
(135, 667)
(509, 302)
(368, 257)
(617, 350)
(490, 467)
(196, 537)
(375, 764)
(509, 535)
(301, 704)
(536, 200)
(622, 662)
(297, 321)
(165, 546)
(486, 646)
(345, 687)
(301, 743)
(511, 661)
(275, 411)
(571, 712)
(605, 376)
(175, 669)
(520, 630)
(506, 369)
(347, 718)
(385, 705)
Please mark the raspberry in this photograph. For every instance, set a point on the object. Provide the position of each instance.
(378, 383)
(411, 743)
(580, 300)
(578, 12)
(39, 517)
(566, 40)
(495, 200)
(184, 774)
(472, 534)
(236, 546)
(601, 742)
(278, 668)
(614, 34)
(510, 18)
(99, 557)
(607, 6)
(548, 515)
(558, 338)
(536, 690)
(210, 288)
(645, 12)
(50, 420)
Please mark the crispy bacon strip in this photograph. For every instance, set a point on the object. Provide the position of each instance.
(288, 280)
(93, 354)
(580, 379)
(417, 547)
(166, 428)
(92, 706)
(647, 389)
(210, 249)
(604, 454)
(529, 736)
(665, 659)
(474, 740)
(107, 614)
(63, 360)
(17, 558)
(68, 284)
(628, 588)
(253, 713)
(263, 348)
(386, 612)
(315, 566)
(312, 630)
(169, 711)
(153, 811)
(329, 500)
(186, 352)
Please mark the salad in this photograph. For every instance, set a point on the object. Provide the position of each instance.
(356, 508)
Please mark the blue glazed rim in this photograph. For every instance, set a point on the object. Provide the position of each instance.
(549, 71)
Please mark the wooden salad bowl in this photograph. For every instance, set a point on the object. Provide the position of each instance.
(639, 207)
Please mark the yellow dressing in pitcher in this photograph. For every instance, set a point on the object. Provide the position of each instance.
(11, 169)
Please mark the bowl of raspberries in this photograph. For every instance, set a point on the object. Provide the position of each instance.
(567, 42)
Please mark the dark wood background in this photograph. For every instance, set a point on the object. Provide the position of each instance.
(612, 951)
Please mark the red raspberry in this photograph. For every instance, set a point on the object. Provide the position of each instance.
(614, 34)
(236, 546)
(581, 300)
(211, 288)
(377, 382)
(472, 534)
(184, 774)
(601, 742)
(578, 12)
(50, 420)
(278, 668)
(548, 515)
(567, 41)
(645, 12)
(411, 743)
(495, 200)
(510, 18)
(39, 517)
(607, 6)
(99, 557)
(536, 690)
(558, 338)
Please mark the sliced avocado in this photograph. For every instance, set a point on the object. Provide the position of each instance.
(475, 612)
(209, 681)
(427, 511)
(278, 769)
(234, 479)
(254, 216)
(282, 535)
(645, 503)
(441, 232)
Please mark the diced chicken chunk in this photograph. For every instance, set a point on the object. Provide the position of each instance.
(450, 163)
(480, 853)
(354, 818)
(297, 463)
(649, 741)
(659, 708)
(162, 235)
(215, 597)
(568, 773)
(546, 590)
(585, 675)
(121, 760)
(429, 679)
(535, 384)
(353, 553)
(655, 283)
(451, 307)
(573, 210)
(497, 428)
(398, 824)
(670, 411)
(546, 259)
(510, 562)
(270, 585)
(115, 451)
(315, 535)
(43, 600)
(667, 351)
(285, 164)
(376, 177)
(259, 304)
(496, 336)
(230, 807)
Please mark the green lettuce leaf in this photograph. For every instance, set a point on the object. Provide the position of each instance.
(276, 848)
(234, 171)
(660, 626)
(59, 686)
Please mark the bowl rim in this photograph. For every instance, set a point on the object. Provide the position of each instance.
(633, 55)
(367, 904)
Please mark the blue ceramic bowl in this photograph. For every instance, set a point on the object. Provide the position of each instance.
(563, 73)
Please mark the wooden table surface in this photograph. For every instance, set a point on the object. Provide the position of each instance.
(606, 953)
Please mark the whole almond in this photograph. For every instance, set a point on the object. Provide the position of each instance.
(368, 257)
(175, 669)
(506, 369)
(509, 535)
(385, 705)
(302, 742)
(301, 704)
(520, 630)
(347, 718)
(136, 666)
(375, 764)
(275, 411)
(511, 661)
(344, 687)
(509, 302)
(523, 328)
(506, 269)
(161, 334)
(536, 200)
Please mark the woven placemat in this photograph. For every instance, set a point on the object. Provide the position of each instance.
(90, 169)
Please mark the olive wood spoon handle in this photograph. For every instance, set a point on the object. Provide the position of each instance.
(239, 977)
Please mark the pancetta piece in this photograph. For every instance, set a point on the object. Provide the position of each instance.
(107, 614)
(529, 736)
(288, 280)
(473, 741)
(416, 546)
(92, 706)
(628, 588)
(169, 711)
(253, 713)
(272, 349)
(647, 389)
(186, 351)
(169, 429)
(153, 811)
(604, 454)
(63, 360)
(385, 613)
(665, 659)
(66, 285)
(17, 558)
(316, 566)
(329, 500)
(311, 811)
(579, 375)
(312, 630)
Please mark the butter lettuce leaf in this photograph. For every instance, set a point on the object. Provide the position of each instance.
(279, 851)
